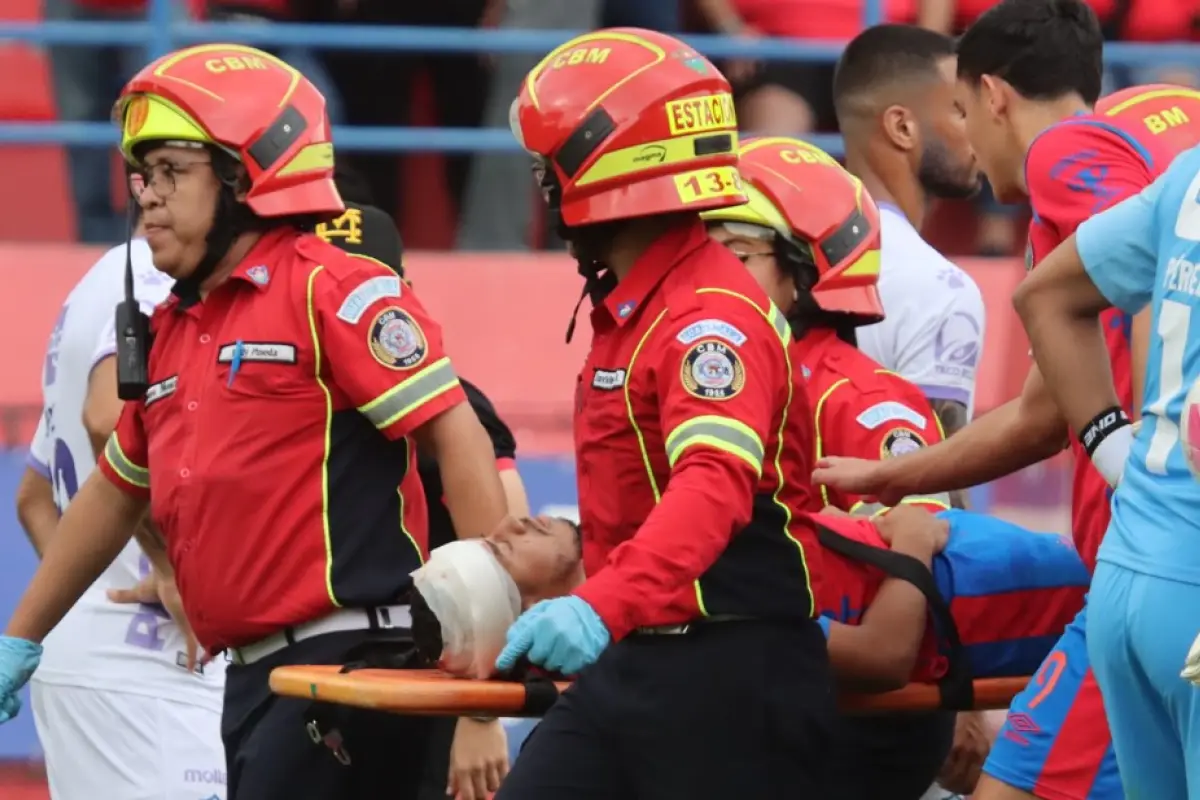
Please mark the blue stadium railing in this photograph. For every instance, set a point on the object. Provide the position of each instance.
(161, 33)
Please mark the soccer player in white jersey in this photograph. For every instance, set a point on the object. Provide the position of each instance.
(118, 712)
(905, 136)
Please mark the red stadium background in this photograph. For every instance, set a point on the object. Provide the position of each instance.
(505, 318)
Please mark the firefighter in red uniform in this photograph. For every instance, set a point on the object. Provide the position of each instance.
(701, 673)
(810, 237)
(274, 445)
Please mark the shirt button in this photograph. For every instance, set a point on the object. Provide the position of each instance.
(192, 406)
(185, 472)
(205, 338)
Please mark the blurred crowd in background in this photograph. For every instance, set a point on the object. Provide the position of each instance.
(468, 91)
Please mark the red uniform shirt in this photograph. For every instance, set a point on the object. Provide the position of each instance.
(273, 440)
(693, 444)
(862, 410)
(1074, 170)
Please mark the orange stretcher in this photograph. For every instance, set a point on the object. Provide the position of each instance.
(434, 693)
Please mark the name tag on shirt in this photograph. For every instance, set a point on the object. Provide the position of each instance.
(259, 351)
(608, 380)
(162, 389)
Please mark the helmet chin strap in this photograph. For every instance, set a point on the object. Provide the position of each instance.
(231, 219)
(588, 244)
(805, 314)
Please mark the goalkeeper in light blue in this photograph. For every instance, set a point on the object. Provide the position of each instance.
(1144, 606)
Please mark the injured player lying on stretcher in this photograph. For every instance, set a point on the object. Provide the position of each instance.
(1007, 591)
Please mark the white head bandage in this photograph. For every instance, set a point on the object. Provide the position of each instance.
(475, 600)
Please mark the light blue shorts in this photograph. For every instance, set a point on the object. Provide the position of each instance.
(1139, 630)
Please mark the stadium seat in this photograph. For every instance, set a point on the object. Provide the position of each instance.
(36, 206)
(21, 10)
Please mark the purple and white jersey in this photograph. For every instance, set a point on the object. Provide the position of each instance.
(933, 333)
(99, 644)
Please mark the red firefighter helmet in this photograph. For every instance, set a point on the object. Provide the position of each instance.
(805, 196)
(250, 104)
(629, 123)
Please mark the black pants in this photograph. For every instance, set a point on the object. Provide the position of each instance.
(895, 757)
(270, 756)
(729, 710)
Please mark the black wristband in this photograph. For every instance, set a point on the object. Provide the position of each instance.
(1101, 427)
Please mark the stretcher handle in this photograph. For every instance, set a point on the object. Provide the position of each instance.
(432, 693)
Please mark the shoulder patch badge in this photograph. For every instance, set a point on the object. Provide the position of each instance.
(711, 327)
(890, 411)
(711, 370)
(396, 340)
(367, 292)
(899, 442)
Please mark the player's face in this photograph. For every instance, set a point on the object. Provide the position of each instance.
(947, 167)
(542, 554)
(991, 135)
(178, 197)
(759, 257)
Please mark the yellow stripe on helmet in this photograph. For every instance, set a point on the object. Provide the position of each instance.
(759, 211)
(150, 118)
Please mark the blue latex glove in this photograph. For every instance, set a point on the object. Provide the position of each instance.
(18, 659)
(561, 635)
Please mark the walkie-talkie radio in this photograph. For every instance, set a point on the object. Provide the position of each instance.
(133, 333)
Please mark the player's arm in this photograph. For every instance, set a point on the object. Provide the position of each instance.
(102, 406)
(1111, 260)
(386, 355)
(880, 653)
(1016, 435)
(504, 446)
(715, 440)
(36, 509)
(101, 410)
(95, 527)
(881, 425)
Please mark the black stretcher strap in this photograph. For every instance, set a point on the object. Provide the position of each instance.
(956, 687)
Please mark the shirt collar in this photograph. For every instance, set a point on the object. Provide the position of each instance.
(814, 346)
(251, 269)
(663, 255)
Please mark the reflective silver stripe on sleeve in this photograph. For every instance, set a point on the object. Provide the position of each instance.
(940, 498)
(715, 433)
(780, 323)
(868, 509)
(410, 394)
(130, 472)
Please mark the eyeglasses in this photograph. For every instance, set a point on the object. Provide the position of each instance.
(745, 257)
(160, 177)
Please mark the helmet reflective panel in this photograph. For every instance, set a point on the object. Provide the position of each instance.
(629, 123)
(249, 103)
(804, 195)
